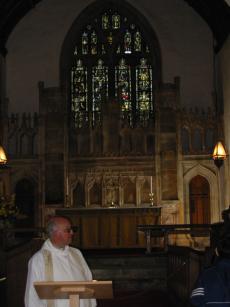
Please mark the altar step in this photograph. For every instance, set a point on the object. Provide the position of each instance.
(131, 272)
(148, 298)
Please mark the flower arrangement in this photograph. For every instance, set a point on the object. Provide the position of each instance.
(8, 210)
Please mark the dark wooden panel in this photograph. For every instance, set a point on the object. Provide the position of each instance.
(110, 228)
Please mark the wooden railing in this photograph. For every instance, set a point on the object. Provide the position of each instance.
(156, 231)
(184, 263)
(11, 237)
(184, 266)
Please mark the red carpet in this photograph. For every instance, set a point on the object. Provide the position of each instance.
(141, 299)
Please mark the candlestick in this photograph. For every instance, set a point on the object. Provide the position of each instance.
(67, 201)
(151, 197)
(67, 185)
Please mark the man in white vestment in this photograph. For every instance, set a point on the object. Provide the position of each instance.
(57, 261)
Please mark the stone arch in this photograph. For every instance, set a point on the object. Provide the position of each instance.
(30, 175)
(78, 194)
(210, 176)
(90, 13)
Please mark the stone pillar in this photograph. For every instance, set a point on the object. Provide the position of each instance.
(225, 76)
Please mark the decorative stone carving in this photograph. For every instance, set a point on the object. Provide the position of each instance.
(169, 214)
(111, 158)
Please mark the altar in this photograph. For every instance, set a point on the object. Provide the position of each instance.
(110, 227)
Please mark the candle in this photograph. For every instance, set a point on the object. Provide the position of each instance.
(67, 185)
(151, 184)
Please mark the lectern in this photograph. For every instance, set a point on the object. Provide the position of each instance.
(74, 290)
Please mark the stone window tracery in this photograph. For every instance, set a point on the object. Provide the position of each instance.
(111, 59)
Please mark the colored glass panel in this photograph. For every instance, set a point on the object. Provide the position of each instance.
(123, 85)
(116, 21)
(143, 89)
(79, 93)
(99, 87)
(105, 21)
(93, 43)
(85, 41)
(127, 42)
(137, 41)
(109, 39)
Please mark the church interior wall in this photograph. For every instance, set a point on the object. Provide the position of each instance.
(186, 47)
(35, 44)
(111, 174)
(113, 165)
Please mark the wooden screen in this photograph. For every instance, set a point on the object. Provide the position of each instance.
(199, 200)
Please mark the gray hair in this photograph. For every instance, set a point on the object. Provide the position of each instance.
(52, 224)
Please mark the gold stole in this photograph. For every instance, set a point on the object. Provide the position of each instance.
(49, 276)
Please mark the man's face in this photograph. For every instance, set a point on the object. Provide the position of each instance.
(63, 233)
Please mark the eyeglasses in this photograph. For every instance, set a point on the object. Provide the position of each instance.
(67, 230)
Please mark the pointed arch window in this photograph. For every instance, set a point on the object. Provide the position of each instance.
(111, 59)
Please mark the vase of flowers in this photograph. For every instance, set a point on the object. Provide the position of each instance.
(8, 214)
(8, 210)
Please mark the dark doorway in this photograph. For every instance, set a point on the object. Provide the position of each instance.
(25, 200)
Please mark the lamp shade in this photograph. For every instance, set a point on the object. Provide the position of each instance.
(219, 154)
(3, 158)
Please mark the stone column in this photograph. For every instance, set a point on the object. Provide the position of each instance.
(223, 57)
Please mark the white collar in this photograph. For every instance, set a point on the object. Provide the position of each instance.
(59, 251)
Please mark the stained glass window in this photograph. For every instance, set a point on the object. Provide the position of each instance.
(84, 43)
(143, 89)
(105, 21)
(116, 21)
(137, 41)
(127, 42)
(79, 93)
(111, 60)
(93, 43)
(123, 86)
(99, 87)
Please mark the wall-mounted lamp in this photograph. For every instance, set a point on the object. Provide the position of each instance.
(219, 154)
(3, 158)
